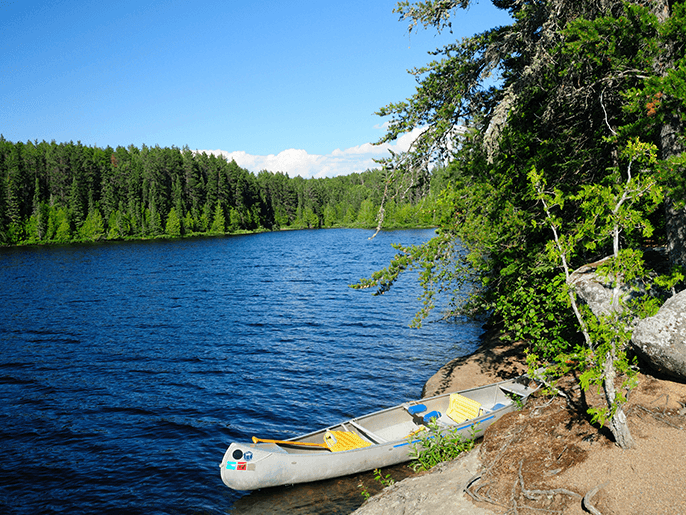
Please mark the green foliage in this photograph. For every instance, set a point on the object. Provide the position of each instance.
(93, 227)
(218, 221)
(436, 276)
(385, 481)
(436, 445)
(173, 228)
(562, 162)
(537, 310)
(610, 335)
(67, 192)
(63, 226)
(670, 280)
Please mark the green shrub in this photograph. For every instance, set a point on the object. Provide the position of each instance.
(435, 445)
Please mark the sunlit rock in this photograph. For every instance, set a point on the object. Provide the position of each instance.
(661, 339)
(595, 291)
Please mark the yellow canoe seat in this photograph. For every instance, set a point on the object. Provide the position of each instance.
(344, 441)
(462, 408)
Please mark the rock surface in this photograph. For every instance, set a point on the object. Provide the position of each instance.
(437, 492)
(594, 290)
(661, 339)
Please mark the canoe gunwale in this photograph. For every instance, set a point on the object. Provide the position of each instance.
(286, 463)
(359, 420)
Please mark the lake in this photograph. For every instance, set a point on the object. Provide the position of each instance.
(127, 368)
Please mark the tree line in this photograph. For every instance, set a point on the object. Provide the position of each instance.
(66, 192)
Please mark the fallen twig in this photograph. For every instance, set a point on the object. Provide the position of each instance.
(657, 415)
(483, 475)
(552, 399)
(513, 498)
(531, 494)
(502, 450)
(586, 501)
(666, 395)
(476, 496)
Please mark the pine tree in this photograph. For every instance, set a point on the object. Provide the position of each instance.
(218, 221)
(173, 224)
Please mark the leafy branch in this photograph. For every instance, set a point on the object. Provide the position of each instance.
(610, 209)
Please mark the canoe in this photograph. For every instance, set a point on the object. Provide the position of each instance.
(372, 441)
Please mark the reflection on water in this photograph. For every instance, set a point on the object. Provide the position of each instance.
(333, 496)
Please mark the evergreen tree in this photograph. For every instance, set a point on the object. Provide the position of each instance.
(218, 222)
(234, 220)
(93, 227)
(173, 224)
(189, 223)
(63, 230)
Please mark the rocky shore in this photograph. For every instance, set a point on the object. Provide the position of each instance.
(548, 456)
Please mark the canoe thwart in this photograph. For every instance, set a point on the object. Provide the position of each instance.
(367, 432)
(517, 389)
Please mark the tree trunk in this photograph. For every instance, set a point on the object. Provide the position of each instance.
(675, 219)
(618, 424)
(676, 233)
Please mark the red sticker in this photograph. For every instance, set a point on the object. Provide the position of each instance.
(241, 465)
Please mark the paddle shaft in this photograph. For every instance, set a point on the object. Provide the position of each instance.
(287, 442)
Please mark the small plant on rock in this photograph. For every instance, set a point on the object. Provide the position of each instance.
(435, 445)
(386, 480)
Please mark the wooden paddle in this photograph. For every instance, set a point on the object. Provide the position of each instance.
(288, 442)
(335, 441)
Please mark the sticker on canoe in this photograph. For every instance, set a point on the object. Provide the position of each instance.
(247, 456)
(239, 465)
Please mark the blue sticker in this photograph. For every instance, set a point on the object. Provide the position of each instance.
(247, 456)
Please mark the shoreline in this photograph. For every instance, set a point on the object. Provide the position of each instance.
(439, 490)
(192, 235)
(556, 448)
(494, 360)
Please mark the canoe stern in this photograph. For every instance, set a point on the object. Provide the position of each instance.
(241, 462)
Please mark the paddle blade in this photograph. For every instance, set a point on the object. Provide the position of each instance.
(287, 442)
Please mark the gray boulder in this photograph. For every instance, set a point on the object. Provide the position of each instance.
(595, 290)
(661, 339)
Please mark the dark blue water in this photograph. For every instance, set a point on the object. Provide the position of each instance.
(127, 368)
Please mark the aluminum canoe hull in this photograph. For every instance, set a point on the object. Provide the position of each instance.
(251, 466)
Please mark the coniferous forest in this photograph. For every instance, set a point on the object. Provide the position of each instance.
(67, 192)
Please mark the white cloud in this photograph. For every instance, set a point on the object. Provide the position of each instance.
(339, 162)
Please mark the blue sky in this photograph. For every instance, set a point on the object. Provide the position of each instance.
(277, 85)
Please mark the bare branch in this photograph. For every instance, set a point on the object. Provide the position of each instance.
(586, 501)
(605, 111)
